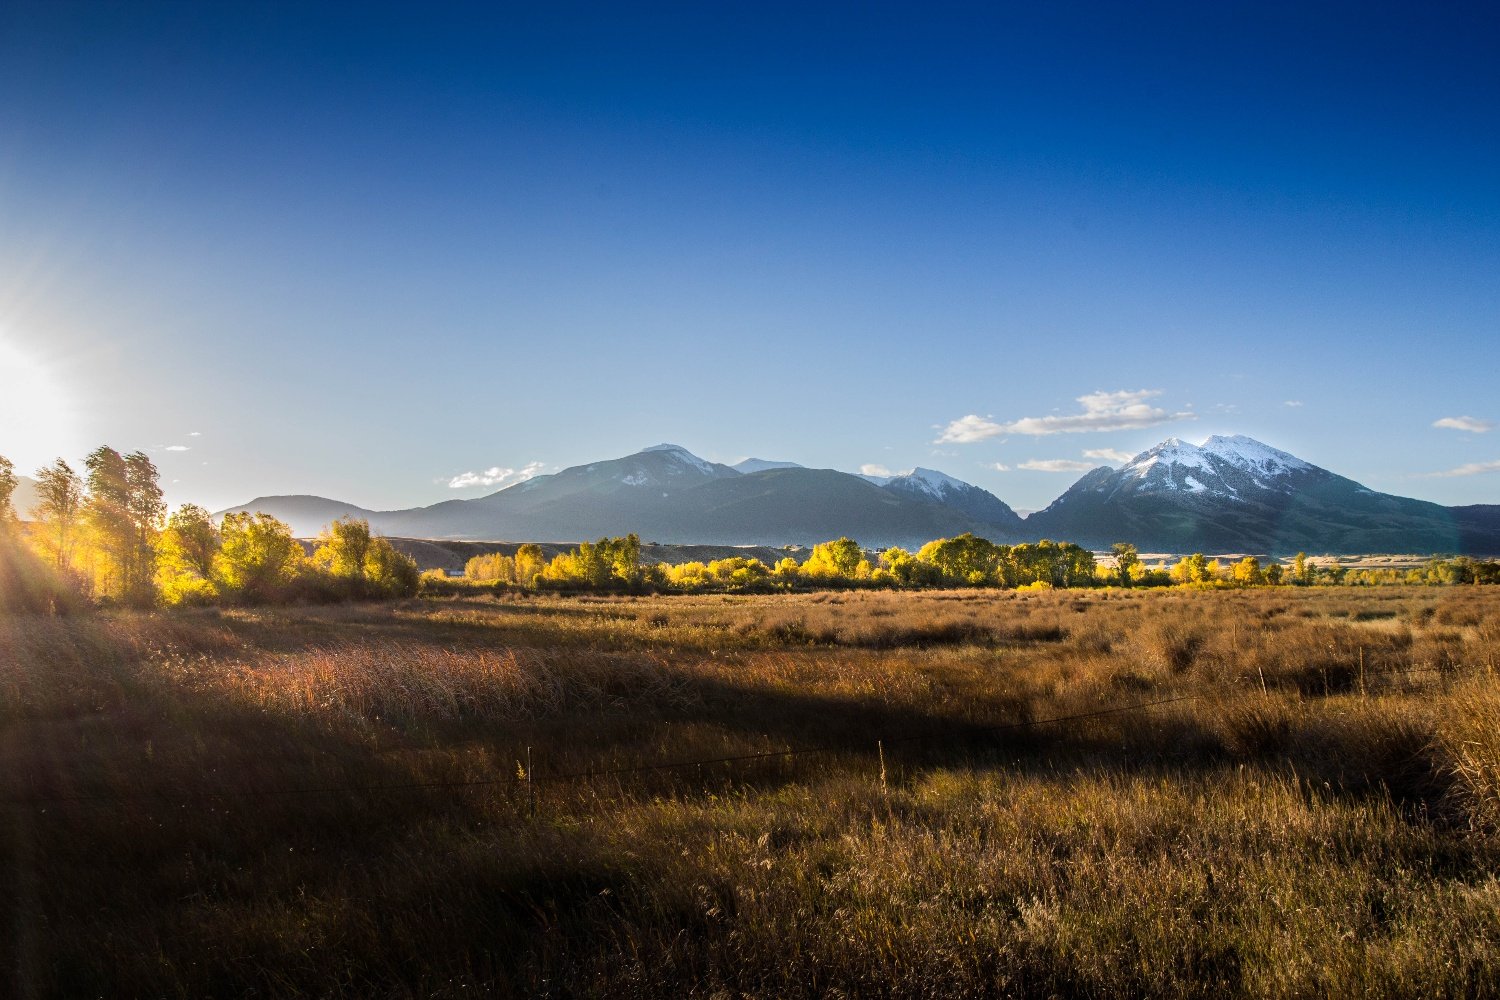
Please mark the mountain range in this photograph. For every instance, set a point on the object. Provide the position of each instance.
(1230, 494)
(668, 494)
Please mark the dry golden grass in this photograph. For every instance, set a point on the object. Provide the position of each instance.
(223, 802)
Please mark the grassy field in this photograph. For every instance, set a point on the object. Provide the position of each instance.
(329, 801)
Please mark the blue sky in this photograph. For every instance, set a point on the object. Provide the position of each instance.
(292, 248)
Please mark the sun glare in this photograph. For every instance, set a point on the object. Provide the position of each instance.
(37, 422)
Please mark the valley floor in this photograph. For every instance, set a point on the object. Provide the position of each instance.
(1287, 792)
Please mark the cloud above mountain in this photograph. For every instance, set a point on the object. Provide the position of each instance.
(1469, 469)
(1108, 454)
(1125, 409)
(496, 476)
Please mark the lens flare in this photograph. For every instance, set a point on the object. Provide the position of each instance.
(37, 414)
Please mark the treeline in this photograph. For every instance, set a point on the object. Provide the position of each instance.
(615, 563)
(963, 561)
(1198, 570)
(104, 536)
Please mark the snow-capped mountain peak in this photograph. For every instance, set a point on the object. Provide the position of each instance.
(1171, 452)
(932, 486)
(1248, 453)
(1226, 466)
(932, 481)
(681, 455)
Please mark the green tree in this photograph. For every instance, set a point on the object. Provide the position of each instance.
(124, 511)
(259, 557)
(107, 514)
(906, 570)
(1192, 569)
(194, 538)
(146, 508)
(343, 547)
(1127, 558)
(389, 572)
(625, 558)
(59, 506)
(1301, 570)
(965, 559)
(185, 557)
(8, 484)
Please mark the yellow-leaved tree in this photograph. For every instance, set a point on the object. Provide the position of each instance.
(259, 559)
(841, 558)
(185, 557)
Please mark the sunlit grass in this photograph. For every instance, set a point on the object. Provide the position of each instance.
(1318, 819)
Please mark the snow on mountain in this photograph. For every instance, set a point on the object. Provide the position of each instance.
(930, 485)
(925, 481)
(1171, 452)
(1248, 453)
(1229, 494)
(1221, 466)
(1236, 494)
(681, 454)
(935, 482)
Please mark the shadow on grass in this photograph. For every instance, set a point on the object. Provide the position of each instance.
(189, 876)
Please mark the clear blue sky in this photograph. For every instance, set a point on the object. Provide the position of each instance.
(360, 250)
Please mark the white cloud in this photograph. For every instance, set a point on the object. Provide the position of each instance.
(1471, 469)
(999, 467)
(1102, 411)
(1293, 403)
(195, 434)
(967, 430)
(871, 469)
(1108, 454)
(1055, 465)
(496, 476)
(1471, 424)
(176, 447)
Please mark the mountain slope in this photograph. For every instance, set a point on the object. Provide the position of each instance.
(667, 494)
(1230, 494)
(936, 487)
(307, 514)
(761, 465)
(791, 506)
(806, 506)
(1235, 494)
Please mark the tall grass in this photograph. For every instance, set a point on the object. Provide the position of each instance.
(227, 802)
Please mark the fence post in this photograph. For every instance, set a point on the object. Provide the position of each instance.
(880, 753)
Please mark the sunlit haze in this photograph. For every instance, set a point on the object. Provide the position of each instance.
(38, 410)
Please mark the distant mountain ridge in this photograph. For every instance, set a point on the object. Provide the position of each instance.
(1230, 494)
(1235, 494)
(667, 494)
